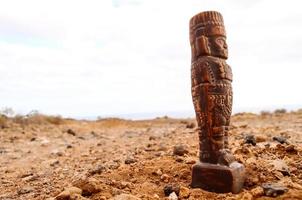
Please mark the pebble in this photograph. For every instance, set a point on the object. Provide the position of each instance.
(179, 159)
(97, 170)
(53, 162)
(158, 172)
(25, 190)
(257, 191)
(130, 160)
(280, 139)
(273, 190)
(291, 149)
(112, 165)
(250, 139)
(69, 193)
(152, 138)
(165, 178)
(260, 138)
(173, 196)
(71, 132)
(184, 192)
(281, 166)
(30, 178)
(190, 161)
(44, 142)
(89, 186)
(170, 188)
(190, 125)
(57, 152)
(180, 150)
(246, 196)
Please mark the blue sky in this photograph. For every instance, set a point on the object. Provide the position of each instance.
(100, 58)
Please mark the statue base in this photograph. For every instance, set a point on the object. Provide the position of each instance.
(218, 178)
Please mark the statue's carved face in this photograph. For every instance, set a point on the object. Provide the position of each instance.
(218, 46)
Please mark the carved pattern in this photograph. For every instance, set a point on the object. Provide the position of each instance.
(212, 98)
(211, 85)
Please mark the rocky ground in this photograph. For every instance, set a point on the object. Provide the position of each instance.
(42, 158)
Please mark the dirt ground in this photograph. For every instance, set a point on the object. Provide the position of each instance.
(123, 159)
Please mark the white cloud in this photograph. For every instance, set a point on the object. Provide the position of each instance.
(84, 58)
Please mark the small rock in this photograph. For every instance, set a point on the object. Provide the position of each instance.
(25, 190)
(190, 161)
(246, 196)
(291, 149)
(281, 166)
(125, 184)
(162, 147)
(173, 196)
(257, 191)
(280, 139)
(184, 192)
(250, 139)
(30, 178)
(125, 197)
(179, 159)
(190, 125)
(94, 133)
(112, 165)
(71, 132)
(57, 152)
(81, 137)
(53, 162)
(97, 170)
(260, 138)
(273, 189)
(89, 186)
(157, 172)
(170, 188)
(130, 160)
(44, 142)
(74, 190)
(180, 150)
(69, 146)
(65, 195)
(165, 178)
(152, 138)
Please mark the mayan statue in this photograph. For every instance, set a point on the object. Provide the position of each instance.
(212, 95)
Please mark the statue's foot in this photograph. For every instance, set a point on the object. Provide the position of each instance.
(218, 178)
(225, 157)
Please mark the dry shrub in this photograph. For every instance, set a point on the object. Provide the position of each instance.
(280, 111)
(37, 118)
(113, 122)
(3, 121)
(56, 120)
(265, 113)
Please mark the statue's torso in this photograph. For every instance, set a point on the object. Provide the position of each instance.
(211, 70)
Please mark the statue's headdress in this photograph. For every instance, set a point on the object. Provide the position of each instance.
(203, 25)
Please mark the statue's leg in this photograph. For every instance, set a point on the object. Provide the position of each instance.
(219, 172)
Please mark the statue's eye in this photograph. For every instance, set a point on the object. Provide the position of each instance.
(220, 41)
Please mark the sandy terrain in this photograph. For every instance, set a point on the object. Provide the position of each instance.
(120, 159)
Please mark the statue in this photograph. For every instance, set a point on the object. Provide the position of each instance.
(211, 79)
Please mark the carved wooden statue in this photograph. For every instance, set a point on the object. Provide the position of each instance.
(212, 98)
